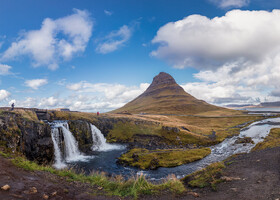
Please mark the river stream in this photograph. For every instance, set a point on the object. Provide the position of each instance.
(105, 159)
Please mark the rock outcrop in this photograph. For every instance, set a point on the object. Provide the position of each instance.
(32, 138)
(82, 132)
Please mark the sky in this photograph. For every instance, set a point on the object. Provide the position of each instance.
(92, 55)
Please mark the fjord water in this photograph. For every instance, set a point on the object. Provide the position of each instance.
(106, 160)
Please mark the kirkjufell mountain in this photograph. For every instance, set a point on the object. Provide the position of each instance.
(165, 96)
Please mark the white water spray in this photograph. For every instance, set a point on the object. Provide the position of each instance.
(71, 149)
(99, 141)
(59, 164)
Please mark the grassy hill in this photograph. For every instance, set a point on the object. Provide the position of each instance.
(165, 96)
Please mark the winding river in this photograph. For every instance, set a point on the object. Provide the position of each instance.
(106, 160)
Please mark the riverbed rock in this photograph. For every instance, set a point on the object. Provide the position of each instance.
(5, 187)
(244, 140)
(154, 164)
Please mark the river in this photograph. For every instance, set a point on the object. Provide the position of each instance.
(106, 160)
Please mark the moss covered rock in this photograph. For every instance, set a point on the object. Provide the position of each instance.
(152, 159)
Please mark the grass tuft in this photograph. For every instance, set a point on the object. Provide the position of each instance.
(209, 176)
(272, 140)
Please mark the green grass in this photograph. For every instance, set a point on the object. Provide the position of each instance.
(151, 159)
(5, 155)
(209, 176)
(272, 140)
(117, 186)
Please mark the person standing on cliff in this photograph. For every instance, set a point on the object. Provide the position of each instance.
(97, 113)
(13, 106)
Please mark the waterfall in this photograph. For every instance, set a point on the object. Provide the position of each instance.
(71, 150)
(59, 164)
(99, 141)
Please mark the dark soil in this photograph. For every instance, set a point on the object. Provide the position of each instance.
(21, 182)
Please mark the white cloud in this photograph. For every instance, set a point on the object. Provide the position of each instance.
(239, 36)
(230, 3)
(4, 94)
(36, 83)
(5, 69)
(237, 55)
(50, 102)
(57, 40)
(110, 91)
(90, 97)
(108, 13)
(114, 40)
(102, 96)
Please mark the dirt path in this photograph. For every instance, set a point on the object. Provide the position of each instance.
(22, 182)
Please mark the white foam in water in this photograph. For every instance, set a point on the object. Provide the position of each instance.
(72, 153)
(99, 141)
(71, 147)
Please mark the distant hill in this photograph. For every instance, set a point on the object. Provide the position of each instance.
(165, 96)
(270, 104)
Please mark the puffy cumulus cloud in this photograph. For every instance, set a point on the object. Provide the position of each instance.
(4, 94)
(5, 69)
(101, 96)
(36, 83)
(230, 3)
(109, 91)
(203, 43)
(57, 40)
(231, 85)
(114, 40)
(49, 102)
(237, 55)
(90, 97)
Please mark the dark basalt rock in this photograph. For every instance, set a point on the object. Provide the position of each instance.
(31, 138)
(154, 164)
(171, 129)
(81, 130)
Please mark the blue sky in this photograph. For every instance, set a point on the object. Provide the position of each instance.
(97, 55)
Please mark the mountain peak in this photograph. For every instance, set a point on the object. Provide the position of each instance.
(165, 96)
(163, 78)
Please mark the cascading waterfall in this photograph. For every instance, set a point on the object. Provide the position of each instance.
(99, 141)
(59, 164)
(71, 149)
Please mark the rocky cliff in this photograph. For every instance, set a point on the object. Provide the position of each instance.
(29, 137)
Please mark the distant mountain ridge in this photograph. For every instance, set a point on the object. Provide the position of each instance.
(165, 96)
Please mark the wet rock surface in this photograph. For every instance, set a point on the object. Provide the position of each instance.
(82, 132)
(244, 140)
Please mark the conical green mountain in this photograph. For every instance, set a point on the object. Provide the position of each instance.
(165, 96)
